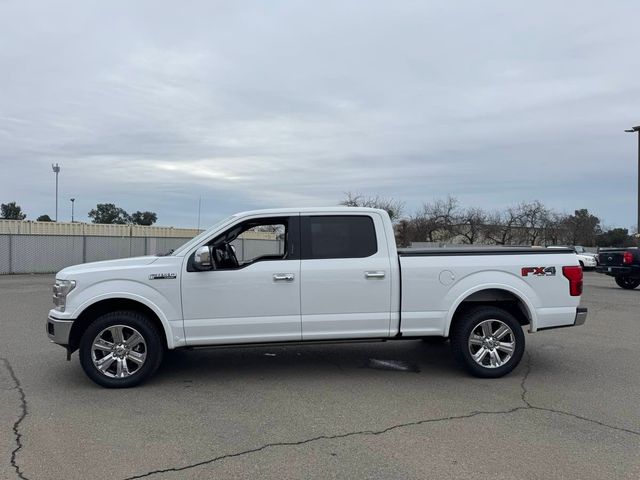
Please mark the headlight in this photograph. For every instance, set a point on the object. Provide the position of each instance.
(60, 291)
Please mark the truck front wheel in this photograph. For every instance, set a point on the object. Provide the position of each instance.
(120, 349)
(487, 341)
(627, 283)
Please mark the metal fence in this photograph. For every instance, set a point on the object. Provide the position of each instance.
(51, 253)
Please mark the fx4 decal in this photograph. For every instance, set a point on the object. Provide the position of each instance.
(539, 271)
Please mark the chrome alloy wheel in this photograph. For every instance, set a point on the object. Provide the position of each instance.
(491, 343)
(118, 351)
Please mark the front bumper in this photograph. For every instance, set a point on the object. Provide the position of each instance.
(59, 330)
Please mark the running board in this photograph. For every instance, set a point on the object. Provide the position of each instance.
(289, 343)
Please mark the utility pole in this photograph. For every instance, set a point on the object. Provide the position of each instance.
(72, 202)
(56, 170)
(637, 130)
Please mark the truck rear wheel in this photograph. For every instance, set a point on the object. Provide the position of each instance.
(120, 349)
(627, 283)
(488, 342)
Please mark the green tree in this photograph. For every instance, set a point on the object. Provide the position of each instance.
(143, 218)
(582, 228)
(12, 211)
(44, 218)
(615, 237)
(109, 213)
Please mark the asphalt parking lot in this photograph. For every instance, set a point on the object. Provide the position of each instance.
(570, 410)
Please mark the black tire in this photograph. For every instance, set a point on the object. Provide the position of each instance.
(626, 282)
(153, 348)
(435, 340)
(581, 263)
(472, 320)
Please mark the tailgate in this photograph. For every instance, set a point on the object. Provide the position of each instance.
(611, 258)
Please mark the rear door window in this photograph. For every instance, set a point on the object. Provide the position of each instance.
(338, 236)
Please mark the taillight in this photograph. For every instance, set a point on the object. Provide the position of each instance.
(627, 257)
(574, 275)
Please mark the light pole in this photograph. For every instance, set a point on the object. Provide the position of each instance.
(56, 170)
(634, 130)
(72, 200)
(199, 205)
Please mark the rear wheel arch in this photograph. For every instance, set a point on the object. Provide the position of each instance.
(499, 297)
(101, 307)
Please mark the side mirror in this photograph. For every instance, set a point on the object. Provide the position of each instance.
(202, 258)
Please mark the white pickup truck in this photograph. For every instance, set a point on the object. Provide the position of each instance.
(317, 275)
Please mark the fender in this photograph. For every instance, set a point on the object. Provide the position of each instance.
(154, 300)
(498, 280)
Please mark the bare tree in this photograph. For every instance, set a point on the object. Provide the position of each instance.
(471, 224)
(555, 231)
(404, 233)
(533, 217)
(393, 207)
(434, 223)
(501, 226)
(529, 223)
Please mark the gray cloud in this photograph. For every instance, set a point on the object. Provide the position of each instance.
(251, 104)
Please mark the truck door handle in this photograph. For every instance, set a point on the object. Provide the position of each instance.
(283, 277)
(376, 274)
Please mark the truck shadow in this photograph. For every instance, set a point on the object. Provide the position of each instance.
(388, 358)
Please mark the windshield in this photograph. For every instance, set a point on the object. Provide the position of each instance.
(200, 236)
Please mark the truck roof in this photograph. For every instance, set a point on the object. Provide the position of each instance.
(280, 211)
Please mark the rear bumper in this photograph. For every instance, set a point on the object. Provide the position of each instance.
(59, 330)
(579, 319)
(581, 316)
(632, 271)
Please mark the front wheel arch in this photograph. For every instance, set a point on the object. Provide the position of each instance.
(109, 305)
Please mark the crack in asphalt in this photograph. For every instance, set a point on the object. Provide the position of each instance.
(324, 437)
(523, 395)
(530, 406)
(16, 425)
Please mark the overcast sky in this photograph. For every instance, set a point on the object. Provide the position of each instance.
(151, 105)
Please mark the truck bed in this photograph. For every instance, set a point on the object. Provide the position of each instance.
(435, 279)
(423, 252)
